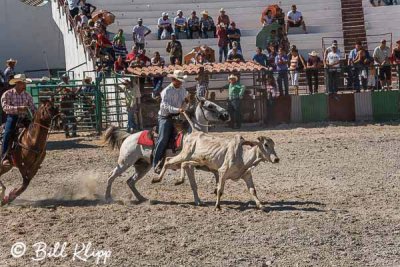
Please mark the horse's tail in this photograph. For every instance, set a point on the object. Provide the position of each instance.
(114, 137)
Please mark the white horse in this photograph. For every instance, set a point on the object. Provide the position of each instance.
(139, 157)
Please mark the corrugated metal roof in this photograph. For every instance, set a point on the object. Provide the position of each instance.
(193, 69)
(35, 2)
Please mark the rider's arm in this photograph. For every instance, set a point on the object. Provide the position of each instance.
(6, 104)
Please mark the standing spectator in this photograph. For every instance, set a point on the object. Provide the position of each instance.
(234, 35)
(222, 41)
(396, 54)
(174, 48)
(120, 50)
(87, 9)
(193, 25)
(203, 81)
(132, 93)
(281, 62)
(67, 101)
(268, 19)
(236, 92)
(234, 45)
(313, 65)
(9, 72)
(235, 56)
(180, 23)
(273, 39)
(297, 63)
(260, 58)
(223, 18)
(207, 25)
(381, 56)
(355, 67)
(119, 66)
(330, 49)
(271, 56)
(295, 19)
(333, 65)
(120, 37)
(363, 59)
(139, 33)
(158, 61)
(164, 24)
(73, 7)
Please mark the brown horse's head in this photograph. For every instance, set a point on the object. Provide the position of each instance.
(47, 112)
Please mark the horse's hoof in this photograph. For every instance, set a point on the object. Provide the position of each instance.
(217, 208)
(179, 182)
(155, 181)
(199, 203)
(109, 199)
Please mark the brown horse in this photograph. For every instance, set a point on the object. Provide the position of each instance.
(30, 150)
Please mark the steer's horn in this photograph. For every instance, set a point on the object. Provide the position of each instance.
(250, 143)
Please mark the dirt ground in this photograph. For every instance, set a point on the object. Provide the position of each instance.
(333, 200)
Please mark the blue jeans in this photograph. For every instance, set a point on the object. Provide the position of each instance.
(283, 78)
(9, 131)
(131, 120)
(165, 128)
(235, 113)
(157, 85)
(223, 51)
(333, 79)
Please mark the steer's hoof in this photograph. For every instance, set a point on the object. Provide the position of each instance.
(179, 182)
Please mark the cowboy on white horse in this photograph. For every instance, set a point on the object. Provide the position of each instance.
(172, 99)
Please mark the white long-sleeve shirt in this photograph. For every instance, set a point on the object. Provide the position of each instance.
(172, 100)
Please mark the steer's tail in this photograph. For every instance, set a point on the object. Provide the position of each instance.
(114, 137)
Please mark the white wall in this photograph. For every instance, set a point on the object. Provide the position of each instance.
(28, 34)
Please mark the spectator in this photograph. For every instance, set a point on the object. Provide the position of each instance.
(280, 17)
(363, 59)
(132, 55)
(236, 92)
(207, 25)
(120, 50)
(120, 37)
(396, 54)
(67, 100)
(235, 56)
(87, 9)
(139, 33)
(381, 57)
(313, 64)
(158, 61)
(223, 18)
(234, 35)
(193, 25)
(268, 19)
(272, 90)
(119, 66)
(100, 24)
(203, 81)
(330, 49)
(271, 56)
(9, 72)
(144, 60)
(297, 63)
(73, 7)
(273, 39)
(45, 93)
(200, 58)
(222, 41)
(81, 21)
(104, 47)
(260, 58)
(281, 62)
(355, 67)
(333, 65)
(164, 25)
(234, 45)
(131, 96)
(295, 19)
(180, 23)
(174, 48)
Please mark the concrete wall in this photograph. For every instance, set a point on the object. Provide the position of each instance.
(29, 34)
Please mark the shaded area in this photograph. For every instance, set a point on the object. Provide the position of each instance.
(68, 144)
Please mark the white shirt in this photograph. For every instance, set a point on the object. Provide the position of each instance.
(180, 21)
(172, 100)
(294, 16)
(139, 32)
(73, 4)
(381, 55)
(162, 22)
(333, 58)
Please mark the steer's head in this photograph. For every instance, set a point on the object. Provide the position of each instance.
(267, 147)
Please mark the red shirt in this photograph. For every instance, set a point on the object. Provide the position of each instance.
(103, 41)
(222, 37)
(131, 56)
(118, 66)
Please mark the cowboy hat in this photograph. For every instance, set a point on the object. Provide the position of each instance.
(45, 78)
(87, 78)
(204, 12)
(178, 75)
(19, 78)
(222, 9)
(232, 77)
(11, 60)
(313, 53)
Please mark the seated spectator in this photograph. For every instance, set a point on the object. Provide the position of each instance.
(333, 65)
(268, 19)
(193, 25)
(199, 59)
(234, 45)
(207, 25)
(296, 63)
(330, 49)
(223, 18)
(180, 23)
(235, 56)
(381, 57)
(222, 42)
(144, 60)
(119, 66)
(295, 19)
(174, 48)
(120, 37)
(120, 50)
(139, 33)
(158, 61)
(312, 71)
(234, 35)
(164, 24)
(132, 55)
(87, 9)
(281, 62)
(260, 58)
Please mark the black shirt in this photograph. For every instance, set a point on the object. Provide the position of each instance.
(86, 9)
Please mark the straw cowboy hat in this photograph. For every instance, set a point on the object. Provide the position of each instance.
(19, 78)
(89, 79)
(11, 60)
(178, 75)
(205, 12)
(313, 53)
(232, 77)
(45, 79)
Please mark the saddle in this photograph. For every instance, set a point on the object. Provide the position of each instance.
(20, 128)
(149, 138)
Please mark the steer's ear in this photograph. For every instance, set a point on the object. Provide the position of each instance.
(260, 138)
(250, 143)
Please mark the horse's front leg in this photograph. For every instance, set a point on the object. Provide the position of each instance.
(16, 192)
(3, 190)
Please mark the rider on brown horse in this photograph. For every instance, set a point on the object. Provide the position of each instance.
(16, 103)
